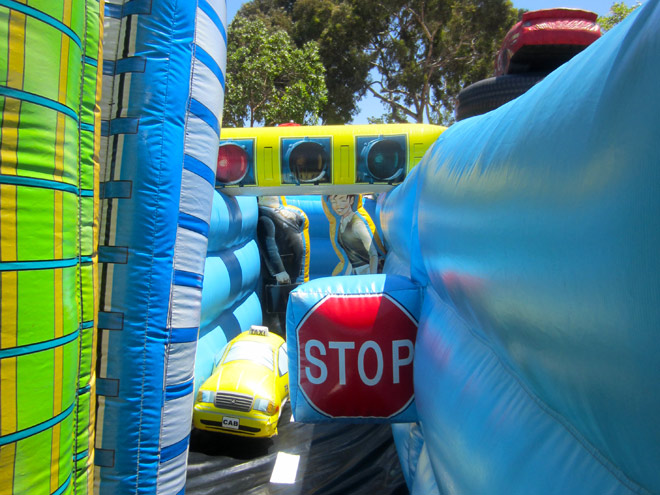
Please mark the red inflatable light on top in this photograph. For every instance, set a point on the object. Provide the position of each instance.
(232, 164)
(545, 39)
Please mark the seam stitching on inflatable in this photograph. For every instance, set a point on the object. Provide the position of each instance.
(79, 281)
(174, 256)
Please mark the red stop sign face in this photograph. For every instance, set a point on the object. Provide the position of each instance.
(355, 356)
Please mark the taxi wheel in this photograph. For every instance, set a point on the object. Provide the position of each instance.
(279, 417)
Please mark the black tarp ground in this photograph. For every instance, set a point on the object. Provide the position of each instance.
(335, 459)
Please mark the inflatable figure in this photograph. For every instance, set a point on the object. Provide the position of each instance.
(283, 238)
(353, 234)
(281, 235)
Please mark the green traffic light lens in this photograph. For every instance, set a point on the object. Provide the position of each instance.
(385, 160)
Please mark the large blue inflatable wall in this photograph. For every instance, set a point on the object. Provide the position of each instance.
(535, 230)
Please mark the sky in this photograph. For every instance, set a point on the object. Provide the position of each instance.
(370, 107)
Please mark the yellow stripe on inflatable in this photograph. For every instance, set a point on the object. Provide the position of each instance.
(62, 94)
(8, 331)
(7, 456)
(8, 389)
(9, 143)
(58, 332)
(371, 224)
(16, 59)
(307, 249)
(12, 107)
(7, 227)
(8, 318)
(342, 266)
(54, 455)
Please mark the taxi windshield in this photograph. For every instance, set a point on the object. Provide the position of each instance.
(257, 352)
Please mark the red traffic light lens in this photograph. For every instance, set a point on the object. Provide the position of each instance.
(232, 164)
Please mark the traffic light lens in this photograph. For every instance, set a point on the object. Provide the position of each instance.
(385, 159)
(232, 164)
(307, 162)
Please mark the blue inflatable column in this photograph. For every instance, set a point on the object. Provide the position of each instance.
(163, 92)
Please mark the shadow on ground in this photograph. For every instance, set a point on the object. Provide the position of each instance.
(335, 459)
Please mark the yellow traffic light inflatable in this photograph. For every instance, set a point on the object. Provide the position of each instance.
(297, 160)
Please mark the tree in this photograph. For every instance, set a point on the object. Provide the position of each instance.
(269, 80)
(431, 50)
(343, 30)
(275, 14)
(413, 55)
(618, 12)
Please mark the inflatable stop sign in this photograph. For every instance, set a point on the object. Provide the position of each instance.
(355, 356)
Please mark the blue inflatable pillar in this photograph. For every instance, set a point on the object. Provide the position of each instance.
(163, 90)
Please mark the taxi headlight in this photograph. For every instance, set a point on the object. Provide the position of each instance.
(205, 396)
(265, 406)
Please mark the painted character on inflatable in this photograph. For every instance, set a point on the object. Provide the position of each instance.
(354, 234)
(282, 235)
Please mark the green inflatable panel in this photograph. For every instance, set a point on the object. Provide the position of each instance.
(50, 69)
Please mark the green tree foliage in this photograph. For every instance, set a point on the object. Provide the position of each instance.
(413, 55)
(618, 12)
(269, 79)
(343, 29)
(276, 14)
(431, 50)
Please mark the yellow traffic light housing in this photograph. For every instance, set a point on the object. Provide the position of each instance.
(298, 160)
